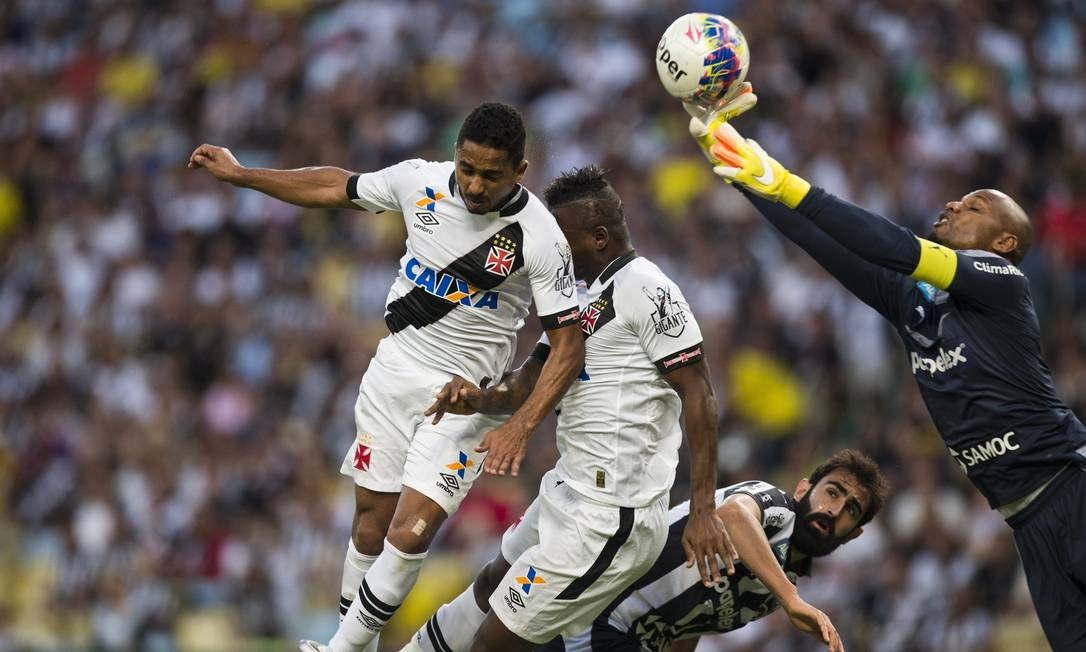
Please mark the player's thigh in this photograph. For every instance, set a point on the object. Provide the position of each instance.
(392, 398)
(494, 636)
(441, 462)
(586, 556)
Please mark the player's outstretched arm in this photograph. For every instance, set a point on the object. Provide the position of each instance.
(461, 396)
(742, 516)
(705, 537)
(313, 187)
(507, 443)
(867, 235)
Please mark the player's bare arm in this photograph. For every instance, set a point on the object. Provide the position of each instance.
(312, 187)
(506, 443)
(742, 516)
(706, 536)
(461, 396)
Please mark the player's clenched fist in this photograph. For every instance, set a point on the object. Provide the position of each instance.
(219, 161)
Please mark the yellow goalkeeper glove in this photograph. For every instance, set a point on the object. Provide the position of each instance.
(743, 161)
(705, 120)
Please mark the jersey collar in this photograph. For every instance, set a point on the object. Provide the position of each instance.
(615, 265)
(515, 204)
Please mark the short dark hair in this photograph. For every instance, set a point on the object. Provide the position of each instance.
(589, 184)
(866, 472)
(495, 125)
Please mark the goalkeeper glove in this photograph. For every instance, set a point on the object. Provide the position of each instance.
(743, 161)
(703, 121)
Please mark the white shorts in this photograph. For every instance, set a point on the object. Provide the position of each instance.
(571, 557)
(396, 446)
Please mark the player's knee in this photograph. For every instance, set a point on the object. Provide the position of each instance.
(486, 582)
(413, 533)
(368, 536)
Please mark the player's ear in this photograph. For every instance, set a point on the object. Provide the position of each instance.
(602, 236)
(801, 489)
(518, 172)
(1005, 243)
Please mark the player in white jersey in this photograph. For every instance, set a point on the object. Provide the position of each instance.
(776, 534)
(480, 248)
(600, 518)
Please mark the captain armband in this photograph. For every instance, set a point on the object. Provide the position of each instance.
(937, 264)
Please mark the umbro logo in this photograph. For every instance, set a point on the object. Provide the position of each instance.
(450, 481)
(515, 598)
(426, 218)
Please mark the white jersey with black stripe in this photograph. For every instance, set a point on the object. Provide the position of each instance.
(465, 282)
(618, 425)
(669, 602)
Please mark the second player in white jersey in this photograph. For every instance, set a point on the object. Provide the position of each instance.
(618, 425)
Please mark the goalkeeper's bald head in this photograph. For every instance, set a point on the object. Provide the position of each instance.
(1013, 220)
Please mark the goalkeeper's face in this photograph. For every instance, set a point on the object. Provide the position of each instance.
(976, 221)
(486, 176)
(828, 514)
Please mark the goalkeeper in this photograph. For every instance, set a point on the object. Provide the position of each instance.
(964, 311)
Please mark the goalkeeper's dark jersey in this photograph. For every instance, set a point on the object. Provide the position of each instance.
(974, 348)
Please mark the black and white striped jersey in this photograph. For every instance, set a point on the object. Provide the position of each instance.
(669, 602)
(465, 282)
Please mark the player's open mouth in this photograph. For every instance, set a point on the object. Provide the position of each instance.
(474, 204)
(820, 526)
(942, 221)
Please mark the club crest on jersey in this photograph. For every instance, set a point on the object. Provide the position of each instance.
(668, 315)
(430, 200)
(449, 287)
(564, 281)
(588, 320)
(529, 579)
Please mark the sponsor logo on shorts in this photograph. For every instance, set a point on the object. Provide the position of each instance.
(448, 483)
(529, 579)
(513, 600)
(462, 465)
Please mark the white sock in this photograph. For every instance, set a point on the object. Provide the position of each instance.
(355, 567)
(452, 628)
(382, 590)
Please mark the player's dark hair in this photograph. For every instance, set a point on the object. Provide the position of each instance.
(496, 125)
(866, 472)
(589, 184)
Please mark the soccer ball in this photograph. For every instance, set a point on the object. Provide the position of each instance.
(701, 57)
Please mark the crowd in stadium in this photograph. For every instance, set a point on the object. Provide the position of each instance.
(179, 359)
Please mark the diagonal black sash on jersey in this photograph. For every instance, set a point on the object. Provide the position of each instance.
(419, 308)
